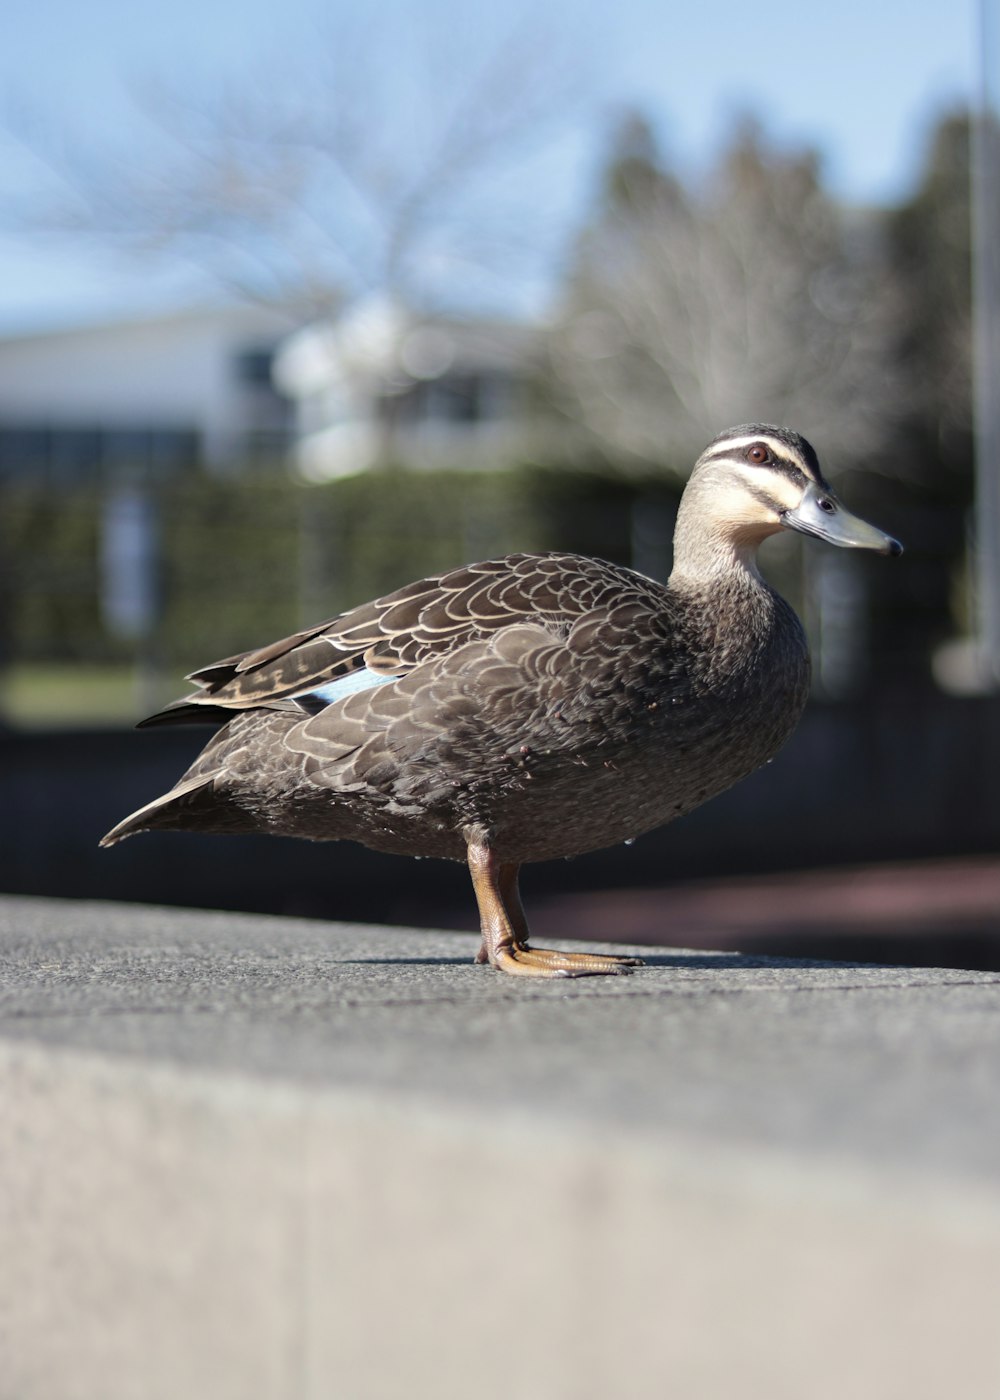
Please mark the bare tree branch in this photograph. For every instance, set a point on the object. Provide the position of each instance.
(749, 297)
(317, 185)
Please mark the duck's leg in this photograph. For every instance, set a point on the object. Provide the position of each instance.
(505, 929)
(509, 896)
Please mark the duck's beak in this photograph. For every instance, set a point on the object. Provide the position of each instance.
(820, 513)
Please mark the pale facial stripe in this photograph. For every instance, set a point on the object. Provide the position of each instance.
(780, 493)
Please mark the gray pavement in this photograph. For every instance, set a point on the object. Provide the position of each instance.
(256, 1156)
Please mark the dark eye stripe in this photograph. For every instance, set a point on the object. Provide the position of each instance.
(740, 450)
(775, 464)
(763, 497)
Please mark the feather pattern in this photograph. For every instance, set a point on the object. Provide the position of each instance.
(406, 629)
(481, 696)
(551, 703)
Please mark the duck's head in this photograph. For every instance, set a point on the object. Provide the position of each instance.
(757, 479)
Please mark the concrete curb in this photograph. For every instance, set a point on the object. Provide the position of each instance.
(254, 1158)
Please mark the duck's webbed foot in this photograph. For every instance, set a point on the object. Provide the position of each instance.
(505, 929)
(549, 962)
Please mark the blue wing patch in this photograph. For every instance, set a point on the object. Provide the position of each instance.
(346, 685)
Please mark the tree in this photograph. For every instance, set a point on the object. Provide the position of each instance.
(929, 242)
(747, 297)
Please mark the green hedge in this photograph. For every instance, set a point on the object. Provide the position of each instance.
(244, 559)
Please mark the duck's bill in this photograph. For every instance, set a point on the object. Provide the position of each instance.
(820, 513)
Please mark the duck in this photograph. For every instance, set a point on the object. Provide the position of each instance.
(525, 708)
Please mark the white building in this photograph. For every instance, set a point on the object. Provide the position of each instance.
(382, 384)
(166, 391)
(151, 392)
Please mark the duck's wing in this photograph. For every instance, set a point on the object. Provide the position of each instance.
(391, 636)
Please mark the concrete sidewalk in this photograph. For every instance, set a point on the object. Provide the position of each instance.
(259, 1157)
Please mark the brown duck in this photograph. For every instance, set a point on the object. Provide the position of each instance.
(525, 708)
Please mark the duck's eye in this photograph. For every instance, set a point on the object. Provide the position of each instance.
(757, 454)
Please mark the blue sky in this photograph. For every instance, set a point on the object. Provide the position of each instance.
(860, 81)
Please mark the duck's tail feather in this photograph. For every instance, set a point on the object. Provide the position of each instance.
(171, 811)
(186, 712)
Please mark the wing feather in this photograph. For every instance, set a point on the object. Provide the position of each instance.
(395, 634)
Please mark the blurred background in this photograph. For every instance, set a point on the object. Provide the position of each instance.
(299, 305)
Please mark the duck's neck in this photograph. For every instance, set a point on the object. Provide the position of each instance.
(711, 549)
